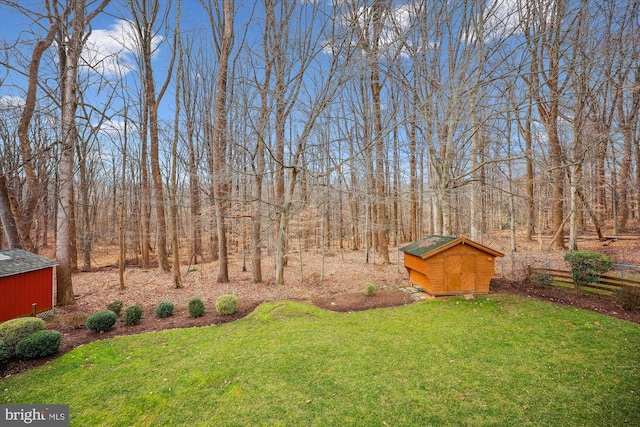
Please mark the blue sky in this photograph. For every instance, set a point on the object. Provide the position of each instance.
(109, 48)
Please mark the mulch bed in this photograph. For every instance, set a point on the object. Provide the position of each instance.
(75, 337)
(557, 296)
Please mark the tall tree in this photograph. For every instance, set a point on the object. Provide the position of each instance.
(6, 215)
(25, 209)
(173, 200)
(191, 83)
(625, 41)
(221, 19)
(145, 18)
(263, 84)
(544, 24)
(370, 25)
(73, 48)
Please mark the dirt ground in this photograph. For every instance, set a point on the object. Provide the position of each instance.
(334, 283)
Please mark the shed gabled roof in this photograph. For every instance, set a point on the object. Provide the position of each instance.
(433, 245)
(16, 261)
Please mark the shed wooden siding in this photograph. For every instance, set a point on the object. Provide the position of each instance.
(20, 291)
(458, 267)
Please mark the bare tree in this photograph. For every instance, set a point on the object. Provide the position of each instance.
(173, 207)
(221, 19)
(626, 42)
(122, 258)
(258, 163)
(369, 23)
(73, 49)
(190, 83)
(545, 27)
(6, 215)
(145, 17)
(24, 211)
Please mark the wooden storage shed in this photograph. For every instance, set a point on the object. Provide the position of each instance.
(443, 265)
(25, 279)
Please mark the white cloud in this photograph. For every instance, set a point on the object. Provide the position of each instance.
(8, 102)
(116, 127)
(113, 51)
(502, 18)
(397, 23)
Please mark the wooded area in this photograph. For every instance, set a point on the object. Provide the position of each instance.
(215, 128)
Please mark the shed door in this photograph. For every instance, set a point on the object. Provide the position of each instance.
(459, 273)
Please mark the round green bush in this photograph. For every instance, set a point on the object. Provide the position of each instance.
(4, 355)
(116, 307)
(586, 267)
(164, 309)
(101, 321)
(369, 288)
(196, 308)
(12, 331)
(39, 344)
(226, 304)
(132, 315)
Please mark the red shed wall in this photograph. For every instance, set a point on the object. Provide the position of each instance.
(18, 292)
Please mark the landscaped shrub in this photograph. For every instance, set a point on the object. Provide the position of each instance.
(12, 331)
(101, 321)
(196, 307)
(540, 280)
(4, 355)
(132, 315)
(629, 298)
(164, 309)
(116, 307)
(226, 304)
(369, 288)
(39, 344)
(586, 267)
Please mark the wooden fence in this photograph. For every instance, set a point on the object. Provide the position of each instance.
(606, 288)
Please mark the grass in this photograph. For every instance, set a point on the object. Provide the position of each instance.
(497, 360)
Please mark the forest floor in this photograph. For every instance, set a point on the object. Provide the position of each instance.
(333, 282)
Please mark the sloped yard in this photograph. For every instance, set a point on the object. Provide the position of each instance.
(496, 360)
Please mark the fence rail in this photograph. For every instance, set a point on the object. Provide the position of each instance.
(606, 287)
(513, 266)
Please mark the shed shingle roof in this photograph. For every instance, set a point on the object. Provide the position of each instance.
(16, 261)
(434, 244)
(427, 245)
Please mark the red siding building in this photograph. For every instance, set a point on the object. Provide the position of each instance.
(25, 279)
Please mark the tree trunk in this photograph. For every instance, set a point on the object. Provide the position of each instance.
(190, 93)
(27, 212)
(628, 124)
(413, 174)
(156, 174)
(173, 202)
(144, 21)
(123, 197)
(223, 32)
(65, 295)
(145, 193)
(6, 215)
(382, 242)
(530, 228)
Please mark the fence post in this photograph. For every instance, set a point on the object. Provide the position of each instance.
(528, 271)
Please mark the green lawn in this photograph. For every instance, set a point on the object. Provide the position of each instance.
(496, 360)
